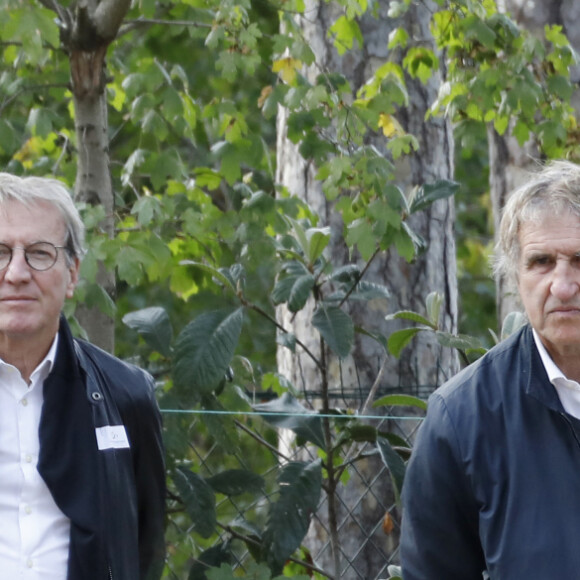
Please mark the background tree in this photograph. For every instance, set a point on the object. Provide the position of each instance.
(408, 282)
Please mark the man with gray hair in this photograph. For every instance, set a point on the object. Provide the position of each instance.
(493, 484)
(82, 478)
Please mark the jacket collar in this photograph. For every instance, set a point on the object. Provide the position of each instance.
(537, 383)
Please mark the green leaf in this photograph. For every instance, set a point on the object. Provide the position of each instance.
(286, 339)
(204, 350)
(236, 482)
(318, 239)
(154, 326)
(286, 412)
(425, 195)
(220, 276)
(360, 233)
(511, 323)
(362, 433)
(300, 292)
(394, 463)
(408, 315)
(458, 341)
(400, 339)
(477, 29)
(289, 518)
(363, 291)
(403, 400)
(433, 306)
(345, 32)
(210, 558)
(336, 328)
(198, 498)
(221, 427)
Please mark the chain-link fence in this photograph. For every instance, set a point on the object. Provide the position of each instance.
(358, 535)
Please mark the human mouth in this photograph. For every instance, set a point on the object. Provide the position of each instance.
(565, 310)
(10, 299)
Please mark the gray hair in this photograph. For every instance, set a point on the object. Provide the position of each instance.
(554, 190)
(30, 190)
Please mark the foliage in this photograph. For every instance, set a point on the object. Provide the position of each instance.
(208, 244)
(202, 356)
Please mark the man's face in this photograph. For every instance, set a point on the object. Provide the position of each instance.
(31, 301)
(549, 281)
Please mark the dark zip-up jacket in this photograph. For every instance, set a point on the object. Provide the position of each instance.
(493, 483)
(113, 491)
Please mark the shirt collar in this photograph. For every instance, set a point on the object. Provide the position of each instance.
(552, 370)
(45, 365)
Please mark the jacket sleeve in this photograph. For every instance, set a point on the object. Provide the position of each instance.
(149, 467)
(439, 536)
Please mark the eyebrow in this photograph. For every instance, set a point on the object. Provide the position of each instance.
(535, 256)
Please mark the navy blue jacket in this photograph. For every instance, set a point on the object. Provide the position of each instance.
(493, 483)
(114, 496)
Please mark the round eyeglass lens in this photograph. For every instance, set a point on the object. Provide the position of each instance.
(41, 256)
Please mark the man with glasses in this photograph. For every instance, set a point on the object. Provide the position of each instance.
(81, 460)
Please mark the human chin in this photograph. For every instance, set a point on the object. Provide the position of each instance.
(18, 322)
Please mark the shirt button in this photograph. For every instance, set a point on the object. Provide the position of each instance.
(29, 563)
(28, 510)
(28, 458)
(24, 402)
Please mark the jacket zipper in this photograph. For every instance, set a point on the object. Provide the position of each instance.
(110, 573)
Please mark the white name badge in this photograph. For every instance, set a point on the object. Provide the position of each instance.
(112, 437)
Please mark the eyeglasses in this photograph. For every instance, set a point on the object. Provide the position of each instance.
(39, 256)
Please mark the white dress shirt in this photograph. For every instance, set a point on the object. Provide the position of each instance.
(567, 389)
(34, 533)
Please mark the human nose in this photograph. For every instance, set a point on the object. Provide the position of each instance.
(18, 269)
(565, 281)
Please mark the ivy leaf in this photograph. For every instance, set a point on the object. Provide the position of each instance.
(289, 518)
(154, 326)
(286, 412)
(336, 328)
(198, 498)
(204, 350)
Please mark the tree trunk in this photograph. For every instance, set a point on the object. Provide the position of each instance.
(93, 181)
(86, 34)
(364, 548)
(509, 163)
